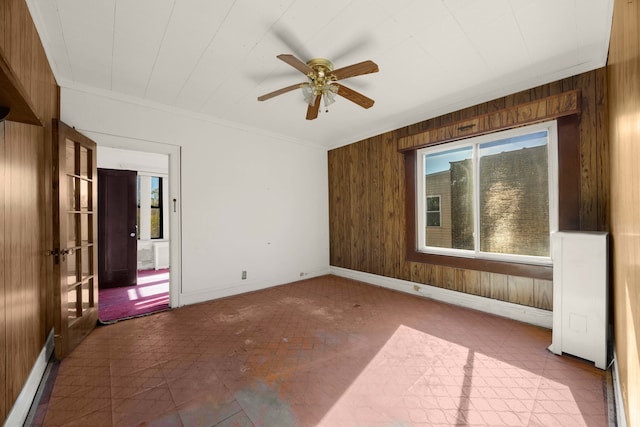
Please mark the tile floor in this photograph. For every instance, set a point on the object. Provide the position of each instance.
(322, 352)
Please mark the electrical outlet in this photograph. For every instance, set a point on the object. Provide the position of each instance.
(244, 274)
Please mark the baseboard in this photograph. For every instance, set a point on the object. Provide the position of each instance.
(20, 409)
(534, 316)
(189, 298)
(621, 416)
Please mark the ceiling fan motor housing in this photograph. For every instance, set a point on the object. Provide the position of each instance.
(322, 74)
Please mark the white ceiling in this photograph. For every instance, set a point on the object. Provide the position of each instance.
(213, 58)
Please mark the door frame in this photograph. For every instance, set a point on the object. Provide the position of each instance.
(175, 208)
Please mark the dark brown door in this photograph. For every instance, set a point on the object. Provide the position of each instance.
(117, 236)
(74, 237)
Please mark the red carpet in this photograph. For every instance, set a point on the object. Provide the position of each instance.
(150, 295)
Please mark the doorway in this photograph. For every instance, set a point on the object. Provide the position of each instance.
(134, 255)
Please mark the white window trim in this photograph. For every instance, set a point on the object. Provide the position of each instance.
(552, 129)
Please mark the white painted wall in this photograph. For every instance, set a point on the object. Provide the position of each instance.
(139, 161)
(250, 200)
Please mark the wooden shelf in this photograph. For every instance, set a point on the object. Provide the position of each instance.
(14, 96)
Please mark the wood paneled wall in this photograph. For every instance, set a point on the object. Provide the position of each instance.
(624, 101)
(25, 207)
(3, 323)
(367, 197)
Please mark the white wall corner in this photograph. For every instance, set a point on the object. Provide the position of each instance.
(521, 313)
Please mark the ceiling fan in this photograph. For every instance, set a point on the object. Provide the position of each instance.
(322, 82)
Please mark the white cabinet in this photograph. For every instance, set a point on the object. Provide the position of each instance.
(580, 295)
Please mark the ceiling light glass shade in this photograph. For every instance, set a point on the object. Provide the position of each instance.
(311, 90)
(308, 93)
(329, 94)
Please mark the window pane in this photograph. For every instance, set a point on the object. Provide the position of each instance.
(156, 207)
(138, 198)
(450, 175)
(155, 191)
(85, 256)
(71, 193)
(70, 157)
(84, 162)
(433, 204)
(72, 263)
(84, 195)
(433, 211)
(72, 304)
(72, 230)
(86, 222)
(433, 219)
(156, 224)
(514, 196)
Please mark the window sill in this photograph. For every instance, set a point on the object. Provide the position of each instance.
(535, 271)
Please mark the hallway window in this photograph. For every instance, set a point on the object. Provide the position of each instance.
(156, 207)
(151, 207)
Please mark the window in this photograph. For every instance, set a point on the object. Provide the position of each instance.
(138, 198)
(497, 196)
(433, 211)
(150, 207)
(156, 207)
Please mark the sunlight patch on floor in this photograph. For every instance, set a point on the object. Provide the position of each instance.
(153, 278)
(447, 383)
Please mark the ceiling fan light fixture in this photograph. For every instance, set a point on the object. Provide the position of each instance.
(308, 93)
(321, 83)
(329, 94)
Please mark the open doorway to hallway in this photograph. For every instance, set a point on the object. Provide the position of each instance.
(134, 248)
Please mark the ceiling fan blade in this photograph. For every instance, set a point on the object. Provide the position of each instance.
(350, 47)
(280, 91)
(355, 97)
(291, 41)
(312, 111)
(295, 63)
(364, 67)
